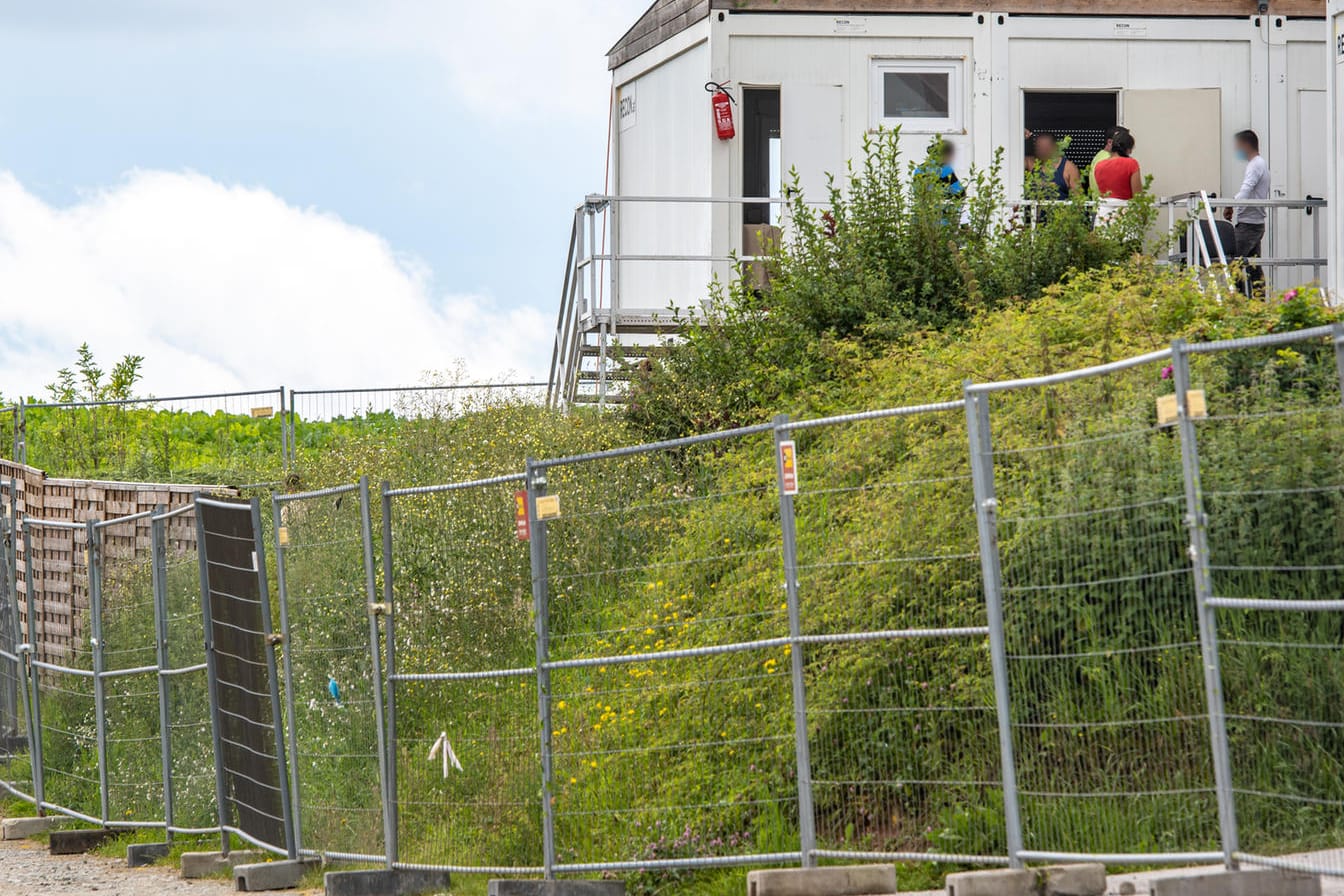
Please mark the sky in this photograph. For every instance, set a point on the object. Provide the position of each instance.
(310, 193)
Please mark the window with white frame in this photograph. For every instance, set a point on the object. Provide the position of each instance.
(922, 96)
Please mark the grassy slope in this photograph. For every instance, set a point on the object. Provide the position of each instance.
(660, 760)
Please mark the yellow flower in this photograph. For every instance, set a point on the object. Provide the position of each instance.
(593, 764)
(573, 780)
(561, 705)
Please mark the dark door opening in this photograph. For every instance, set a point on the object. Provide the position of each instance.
(1082, 118)
(760, 151)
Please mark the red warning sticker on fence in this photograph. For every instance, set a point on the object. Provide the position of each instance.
(522, 526)
(788, 467)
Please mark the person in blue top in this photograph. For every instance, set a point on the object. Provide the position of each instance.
(941, 156)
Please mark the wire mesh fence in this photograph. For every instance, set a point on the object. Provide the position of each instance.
(1271, 451)
(1092, 614)
(229, 436)
(1108, 708)
(123, 615)
(185, 719)
(463, 729)
(900, 706)
(655, 708)
(332, 670)
(316, 418)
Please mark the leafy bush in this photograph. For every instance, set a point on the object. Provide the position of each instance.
(891, 252)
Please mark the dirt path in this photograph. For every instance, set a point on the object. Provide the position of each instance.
(26, 869)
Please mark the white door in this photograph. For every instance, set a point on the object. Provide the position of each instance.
(1309, 177)
(1178, 137)
(812, 135)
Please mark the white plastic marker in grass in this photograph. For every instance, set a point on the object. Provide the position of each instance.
(442, 747)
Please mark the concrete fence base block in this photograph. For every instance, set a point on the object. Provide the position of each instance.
(1000, 882)
(73, 843)
(23, 828)
(556, 888)
(139, 855)
(385, 883)
(1073, 880)
(1240, 883)
(196, 865)
(841, 880)
(280, 875)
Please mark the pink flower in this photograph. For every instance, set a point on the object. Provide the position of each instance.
(1289, 296)
(1168, 372)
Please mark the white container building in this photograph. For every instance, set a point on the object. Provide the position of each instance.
(810, 78)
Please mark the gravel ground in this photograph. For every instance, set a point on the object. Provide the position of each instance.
(26, 869)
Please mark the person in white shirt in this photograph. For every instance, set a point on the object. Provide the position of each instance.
(1250, 229)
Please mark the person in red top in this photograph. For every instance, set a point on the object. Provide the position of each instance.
(1119, 177)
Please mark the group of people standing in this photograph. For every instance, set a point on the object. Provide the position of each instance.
(1114, 174)
(1114, 178)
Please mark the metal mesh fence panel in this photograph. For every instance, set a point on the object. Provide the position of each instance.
(465, 736)
(900, 704)
(1108, 708)
(1271, 450)
(172, 439)
(346, 412)
(65, 704)
(193, 806)
(331, 689)
(670, 707)
(15, 768)
(127, 627)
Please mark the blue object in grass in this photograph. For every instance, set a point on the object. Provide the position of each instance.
(334, 690)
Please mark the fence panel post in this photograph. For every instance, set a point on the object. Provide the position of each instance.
(287, 671)
(35, 715)
(374, 610)
(807, 831)
(536, 487)
(159, 582)
(1337, 337)
(1197, 523)
(390, 700)
(93, 547)
(986, 515)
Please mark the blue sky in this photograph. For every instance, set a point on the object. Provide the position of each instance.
(457, 136)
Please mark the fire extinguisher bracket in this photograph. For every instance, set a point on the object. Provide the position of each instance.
(721, 102)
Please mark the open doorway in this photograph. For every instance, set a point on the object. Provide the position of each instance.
(762, 174)
(1081, 117)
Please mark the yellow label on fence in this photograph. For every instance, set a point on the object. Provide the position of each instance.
(263, 412)
(1167, 410)
(283, 534)
(548, 507)
(1195, 404)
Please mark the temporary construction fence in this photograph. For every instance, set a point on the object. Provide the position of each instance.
(1087, 615)
(163, 437)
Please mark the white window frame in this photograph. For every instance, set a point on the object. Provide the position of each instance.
(954, 68)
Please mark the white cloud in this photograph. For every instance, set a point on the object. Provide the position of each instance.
(225, 288)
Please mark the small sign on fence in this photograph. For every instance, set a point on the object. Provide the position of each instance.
(1168, 411)
(263, 413)
(788, 467)
(548, 507)
(522, 526)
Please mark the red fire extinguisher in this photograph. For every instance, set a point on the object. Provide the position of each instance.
(722, 104)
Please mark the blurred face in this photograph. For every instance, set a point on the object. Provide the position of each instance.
(1046, 147)
(1243, 149)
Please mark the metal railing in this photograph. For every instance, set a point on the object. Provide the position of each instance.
(632, 259)
(1290, 224)
(1087, 615)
